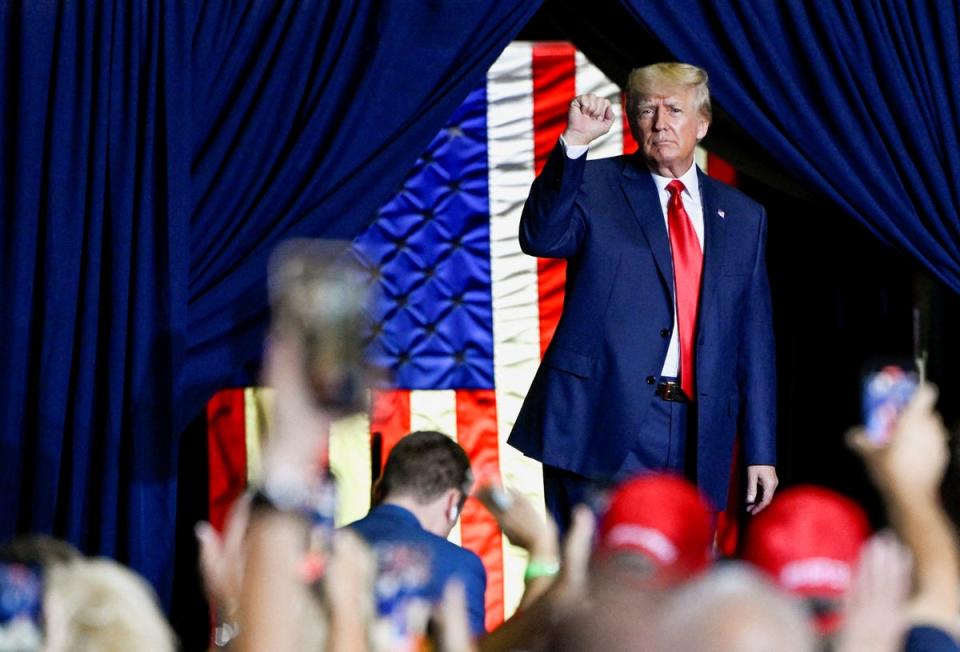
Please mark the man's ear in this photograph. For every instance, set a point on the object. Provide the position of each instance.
(703, 125)
(453, 505)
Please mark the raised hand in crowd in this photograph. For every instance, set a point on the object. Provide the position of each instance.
(348, 593)
(222, 559)
(874, 618)
(298, 433)
(526, 528)
(532, 627)
(908, 471)
(336, 619)
(453, 621)
(279, 527)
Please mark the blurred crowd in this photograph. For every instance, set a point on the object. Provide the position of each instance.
(638, 569)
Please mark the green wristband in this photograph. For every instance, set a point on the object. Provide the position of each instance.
(536, 569)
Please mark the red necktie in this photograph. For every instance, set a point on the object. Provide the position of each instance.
(687, 268)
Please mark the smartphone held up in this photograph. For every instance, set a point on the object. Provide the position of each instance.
(886, 392)
(319, 294)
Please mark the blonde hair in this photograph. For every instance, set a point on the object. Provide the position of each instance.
(97, 605)
(652, 79)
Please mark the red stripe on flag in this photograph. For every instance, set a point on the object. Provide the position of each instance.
(390, 416)
(554, 85)
(630, 144)
(227, 452)
(554, 69)
(477, 433)
(551, 275)
(721, 170)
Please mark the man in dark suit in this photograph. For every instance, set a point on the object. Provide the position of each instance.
(416, 504)
(664, 351)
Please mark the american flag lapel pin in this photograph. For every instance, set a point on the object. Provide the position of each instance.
(722, 214)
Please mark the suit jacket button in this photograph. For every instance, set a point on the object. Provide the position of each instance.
(651, 380)
(664, 332)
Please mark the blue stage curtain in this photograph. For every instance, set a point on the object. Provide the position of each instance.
(153, 154)
(857, 99)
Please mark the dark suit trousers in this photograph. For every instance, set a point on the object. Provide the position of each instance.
(668, 422)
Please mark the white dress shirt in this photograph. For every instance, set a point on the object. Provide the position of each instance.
(694, 206)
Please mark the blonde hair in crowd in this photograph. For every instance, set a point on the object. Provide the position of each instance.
(97, 605)
(733, 608)
(653, 79)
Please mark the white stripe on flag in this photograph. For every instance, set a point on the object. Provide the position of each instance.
(436, 410)
(350, 464)
(516, 317)
(700, 156)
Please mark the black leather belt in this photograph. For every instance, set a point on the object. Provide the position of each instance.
(669, 390)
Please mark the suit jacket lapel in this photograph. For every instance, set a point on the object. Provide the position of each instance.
(641, 193)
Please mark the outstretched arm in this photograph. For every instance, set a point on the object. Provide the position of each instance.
(552, 224)
(908, 472)
(531, 628)
(527, 529)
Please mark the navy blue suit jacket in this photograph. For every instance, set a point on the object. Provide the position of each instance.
(394, 524)
(586, 406)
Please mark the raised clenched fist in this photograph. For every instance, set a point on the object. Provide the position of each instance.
(588, 118)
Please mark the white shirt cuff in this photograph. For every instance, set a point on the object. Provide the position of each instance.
(573, 151)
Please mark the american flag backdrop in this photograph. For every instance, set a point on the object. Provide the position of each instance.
(464, 316)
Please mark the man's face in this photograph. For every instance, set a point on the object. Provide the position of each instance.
(668, 128)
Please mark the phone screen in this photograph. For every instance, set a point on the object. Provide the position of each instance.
(886, 392)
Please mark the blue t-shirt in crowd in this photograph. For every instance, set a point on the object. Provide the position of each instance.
(403, 544)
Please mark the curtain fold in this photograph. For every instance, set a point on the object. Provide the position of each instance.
(153, 154)
(858, 99)
(95, 203)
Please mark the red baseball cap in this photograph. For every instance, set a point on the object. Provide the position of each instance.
(664, 518)
(808, 540)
